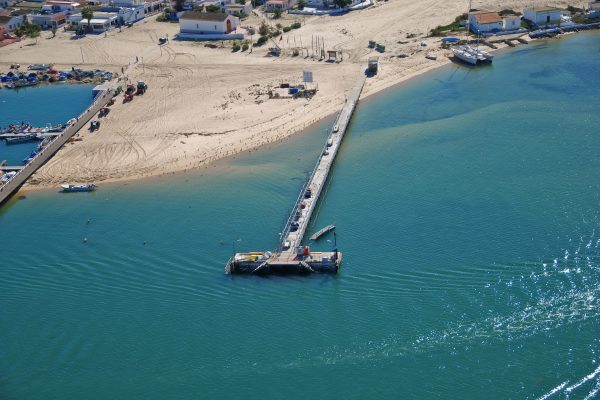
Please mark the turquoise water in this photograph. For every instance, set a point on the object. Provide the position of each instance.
(39, 105)
(467, 206)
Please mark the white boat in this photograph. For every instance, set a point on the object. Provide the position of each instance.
(86, 187)
(463, 54)
(481, 54)
(472, 54)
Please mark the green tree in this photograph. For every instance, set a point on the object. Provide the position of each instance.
(28, 29)
(263, 30)
(301, 4)
(211, 8)
(87, 13)
(277, 13)
(34, 31)
(342, 3)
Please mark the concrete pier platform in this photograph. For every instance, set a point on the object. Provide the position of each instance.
(291, 256)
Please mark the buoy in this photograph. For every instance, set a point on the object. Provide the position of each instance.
(84, 240)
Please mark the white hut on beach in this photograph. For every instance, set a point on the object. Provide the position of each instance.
(195, 25)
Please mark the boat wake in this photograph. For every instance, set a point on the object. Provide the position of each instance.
(564, 389)
(557, 293)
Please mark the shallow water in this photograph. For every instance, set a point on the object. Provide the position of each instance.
(39, 106)
(467, 207)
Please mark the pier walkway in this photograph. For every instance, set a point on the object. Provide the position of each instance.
(7, 189)
(297, 223)
(18, 135)
(291, 256)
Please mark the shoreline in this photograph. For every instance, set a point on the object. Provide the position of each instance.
(367, 95)
(370, 95)
(155, 136)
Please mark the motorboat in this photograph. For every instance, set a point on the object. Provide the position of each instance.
(86, 187)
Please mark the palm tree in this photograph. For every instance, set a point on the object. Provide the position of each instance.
(87, 13)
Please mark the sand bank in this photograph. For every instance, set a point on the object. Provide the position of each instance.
(204, 104)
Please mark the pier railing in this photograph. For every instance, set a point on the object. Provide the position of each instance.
(342, 121)
(7, 188)
(288, 225)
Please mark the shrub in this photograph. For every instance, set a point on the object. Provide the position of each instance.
(236, 47)
(509, 11)
(261, 40)
(296, 25)
(287, 29)
(211, 8)
(275, 33)
(264, 29)
(245, 47)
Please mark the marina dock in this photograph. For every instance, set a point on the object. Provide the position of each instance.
(291, 256)
(11, 168)
(10, 187)
(43, 135)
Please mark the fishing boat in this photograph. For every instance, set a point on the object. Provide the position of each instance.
(29, 158)
(22, 138)
(322, 231)
(21, 83)
(86, 187)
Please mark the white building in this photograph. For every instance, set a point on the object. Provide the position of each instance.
(100, 22)
(542, 16)
(48, 21)
(246, 8)
(132, 14)
(10, 23)
(271, 5)
(55, 6)
(126, 3)
(511, 22)
(195, 22)
(485, 22)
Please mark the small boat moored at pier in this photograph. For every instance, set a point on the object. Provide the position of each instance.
(22, 138)
(86, 187)
(322, 231)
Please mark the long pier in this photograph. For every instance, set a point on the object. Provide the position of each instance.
(291, 256)
(10, 187)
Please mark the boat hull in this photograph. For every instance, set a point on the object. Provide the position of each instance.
(78, 188)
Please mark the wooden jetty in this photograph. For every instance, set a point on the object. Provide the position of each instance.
(10, 187)
(321, 232)
(291, 256)
(40, 135)
(10, 168)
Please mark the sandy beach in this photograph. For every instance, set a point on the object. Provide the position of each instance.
(204, 104)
